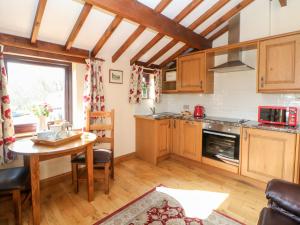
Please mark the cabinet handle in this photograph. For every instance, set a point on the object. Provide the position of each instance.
(262, 82)
(245, 135)
(174, 124)
(201, 84)
(169, 124)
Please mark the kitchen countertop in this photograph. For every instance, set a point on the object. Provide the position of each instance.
(248, 124)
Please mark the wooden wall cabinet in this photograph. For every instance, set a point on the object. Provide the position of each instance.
(268, 154)
(279, 64)
(191, 140)
(153, 139)
(192, 73)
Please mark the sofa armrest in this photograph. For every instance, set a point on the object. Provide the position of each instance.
(285, 195)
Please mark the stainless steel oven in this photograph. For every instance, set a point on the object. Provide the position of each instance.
(221, 142)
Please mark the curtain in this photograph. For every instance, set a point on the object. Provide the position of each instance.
(6, 129)
(157, 85)
(135, 84)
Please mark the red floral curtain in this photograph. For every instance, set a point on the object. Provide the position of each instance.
(135, 84)
(6, 129)
(157, 85)
(93, 86)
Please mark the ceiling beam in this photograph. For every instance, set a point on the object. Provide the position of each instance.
(41, 46)
(139, 13)
(226, 17)
(219, 33)
(37, 20)
(194, 25)
(11, 50)
(174, 55)
(283, 3)
(214, 26)
(212, 10)
(139, 30)
(108, 32)
(80, 21)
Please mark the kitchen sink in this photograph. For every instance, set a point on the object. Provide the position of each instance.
(162, 115)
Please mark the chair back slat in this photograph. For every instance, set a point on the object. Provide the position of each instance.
(100, 126)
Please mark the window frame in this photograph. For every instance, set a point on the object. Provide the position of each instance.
(31, 127)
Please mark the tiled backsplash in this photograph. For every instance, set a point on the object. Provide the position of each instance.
(234, 96)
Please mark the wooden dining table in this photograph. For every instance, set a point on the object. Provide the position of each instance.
(39, 152)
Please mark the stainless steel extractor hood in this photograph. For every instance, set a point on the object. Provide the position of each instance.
(234, 62)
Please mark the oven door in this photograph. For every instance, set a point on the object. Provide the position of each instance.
(221, 146)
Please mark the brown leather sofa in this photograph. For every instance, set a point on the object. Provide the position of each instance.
(283, 206)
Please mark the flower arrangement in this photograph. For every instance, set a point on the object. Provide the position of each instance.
(42, 110)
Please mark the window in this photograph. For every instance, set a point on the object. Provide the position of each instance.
(148, 89)
(32, 83)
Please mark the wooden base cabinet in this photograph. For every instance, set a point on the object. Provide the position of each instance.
(153, 139)
(191, 140)
(268, 154)
(279, 64)
(175, 124)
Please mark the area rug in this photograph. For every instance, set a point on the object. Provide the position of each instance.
(158, 208)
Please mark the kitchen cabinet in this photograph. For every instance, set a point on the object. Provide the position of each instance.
(192, 73)
(268, 154)
(191, 139)
(279, 64)
(153, 138)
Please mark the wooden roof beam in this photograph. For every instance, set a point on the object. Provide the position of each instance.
(139, 13)
(80, 21)
(108, 32)
(283, 3)
(194, 25)
(37, 20)
(41, 46)
(139, 30)
(219, 33)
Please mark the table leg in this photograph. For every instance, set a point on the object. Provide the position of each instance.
(35, 188)
(90, 172)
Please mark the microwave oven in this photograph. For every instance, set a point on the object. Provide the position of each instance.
(279, 115)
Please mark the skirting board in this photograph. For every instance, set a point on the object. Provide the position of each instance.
(68, 175)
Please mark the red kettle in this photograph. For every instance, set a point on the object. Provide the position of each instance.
(199, 111)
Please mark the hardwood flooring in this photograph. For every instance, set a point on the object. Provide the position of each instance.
(60, 205)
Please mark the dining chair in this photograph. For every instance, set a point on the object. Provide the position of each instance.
(12, 182)
(103, 158)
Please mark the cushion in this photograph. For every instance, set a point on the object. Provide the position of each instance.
(269, 216)
(13, 178)
(100, 156)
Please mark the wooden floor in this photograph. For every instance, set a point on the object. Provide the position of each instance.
(60, 205)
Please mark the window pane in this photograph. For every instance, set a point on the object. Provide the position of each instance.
(32, 84)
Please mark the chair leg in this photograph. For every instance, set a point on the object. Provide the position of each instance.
(112, 164)
(75, 176)
(106, 177)
(17, 205)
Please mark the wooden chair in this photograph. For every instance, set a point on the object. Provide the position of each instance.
(13, 181)
(103, 158)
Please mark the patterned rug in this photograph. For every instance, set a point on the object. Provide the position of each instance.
(158, 208)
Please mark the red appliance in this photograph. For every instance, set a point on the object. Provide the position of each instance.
(199, 111)
(279, 115)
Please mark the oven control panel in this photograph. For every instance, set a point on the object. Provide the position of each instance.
(222, 128)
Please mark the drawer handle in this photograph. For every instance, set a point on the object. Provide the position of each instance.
(174, 124)
(245, 135)
(262, 82)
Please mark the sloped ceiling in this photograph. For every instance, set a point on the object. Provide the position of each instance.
(60, 16)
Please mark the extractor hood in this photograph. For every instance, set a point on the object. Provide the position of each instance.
(234, 61)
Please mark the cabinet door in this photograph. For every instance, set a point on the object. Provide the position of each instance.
(268, 154)
(191, 71)
(175, 136)
(191, 140)
(279, 64)
(164, 137)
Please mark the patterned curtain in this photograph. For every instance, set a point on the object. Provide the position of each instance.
(93, 96)
(135, 84)
(6, 129)
(157, 85)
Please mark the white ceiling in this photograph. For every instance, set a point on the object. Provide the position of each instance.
(60, 16)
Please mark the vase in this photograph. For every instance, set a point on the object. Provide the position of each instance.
(42, 124)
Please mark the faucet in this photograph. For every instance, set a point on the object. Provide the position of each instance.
(152, 109)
